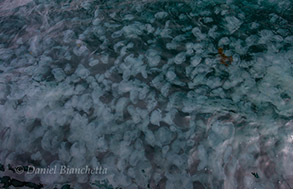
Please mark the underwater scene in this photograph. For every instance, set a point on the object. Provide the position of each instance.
(146, 94)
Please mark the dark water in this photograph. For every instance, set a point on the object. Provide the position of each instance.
(163, 94)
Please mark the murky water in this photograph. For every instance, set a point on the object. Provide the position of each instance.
(163, 94)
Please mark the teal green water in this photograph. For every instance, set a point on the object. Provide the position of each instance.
(163, 94)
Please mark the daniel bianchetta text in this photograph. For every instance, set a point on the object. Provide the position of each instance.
(66, 170)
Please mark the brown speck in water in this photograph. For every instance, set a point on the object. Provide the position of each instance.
(224, 59)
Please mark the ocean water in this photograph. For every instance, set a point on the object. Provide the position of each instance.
(146, 94)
